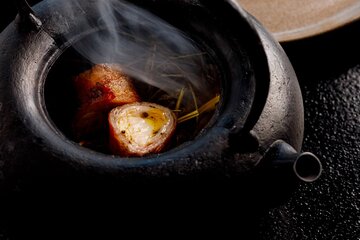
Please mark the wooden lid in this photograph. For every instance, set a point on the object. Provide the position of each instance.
(295, 19)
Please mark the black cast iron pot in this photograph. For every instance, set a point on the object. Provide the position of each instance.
(257, 127)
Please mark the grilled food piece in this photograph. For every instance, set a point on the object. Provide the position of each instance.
(140, 128)
(100, 89)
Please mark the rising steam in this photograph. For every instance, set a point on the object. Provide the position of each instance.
(145, 47)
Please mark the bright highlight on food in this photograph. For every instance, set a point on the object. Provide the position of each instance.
(140, 128)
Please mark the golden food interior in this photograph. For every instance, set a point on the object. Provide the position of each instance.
(80, 95)
(140, 128)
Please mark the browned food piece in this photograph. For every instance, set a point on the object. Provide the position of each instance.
(100, 89)
(140, 128)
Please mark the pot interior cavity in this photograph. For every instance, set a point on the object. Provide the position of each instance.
(168, 67)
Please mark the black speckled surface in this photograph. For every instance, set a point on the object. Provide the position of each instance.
(328, 68)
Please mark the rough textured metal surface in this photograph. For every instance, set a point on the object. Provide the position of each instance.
(30, 52)
(329, 72)
(328, 68)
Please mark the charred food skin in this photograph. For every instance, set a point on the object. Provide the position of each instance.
(100, 89)
(140, 128)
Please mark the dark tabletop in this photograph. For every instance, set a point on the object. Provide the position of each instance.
(328, 69)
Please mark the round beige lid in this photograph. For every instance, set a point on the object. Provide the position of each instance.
(295, 19)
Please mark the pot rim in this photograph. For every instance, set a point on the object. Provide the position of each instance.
(56, 143)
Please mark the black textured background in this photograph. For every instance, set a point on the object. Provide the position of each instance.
(328, 68)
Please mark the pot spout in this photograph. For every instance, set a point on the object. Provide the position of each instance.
(280, 156)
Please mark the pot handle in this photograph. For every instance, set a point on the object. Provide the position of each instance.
(28, 19)
(283, 157)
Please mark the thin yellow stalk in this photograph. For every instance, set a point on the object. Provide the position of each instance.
(188, 116)
(173, 75)
(189, 55)
(194, 99)
(180, 98)
(210, 105)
